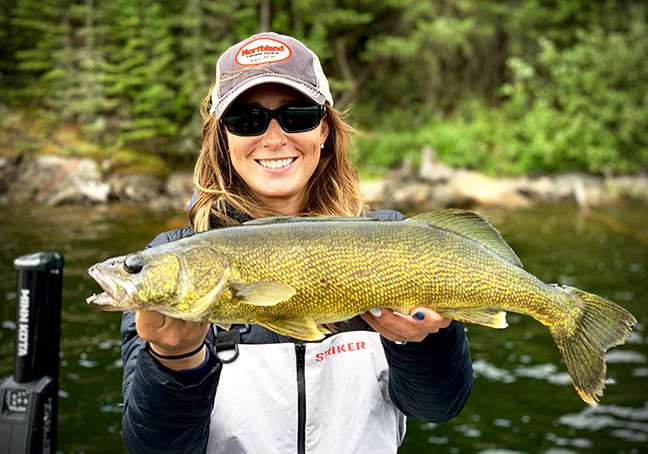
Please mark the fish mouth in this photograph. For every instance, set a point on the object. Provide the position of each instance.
(115, 293)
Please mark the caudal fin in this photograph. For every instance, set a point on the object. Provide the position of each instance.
(602, 324)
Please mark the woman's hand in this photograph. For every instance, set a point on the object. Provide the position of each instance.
(172, 336)
(406, 328)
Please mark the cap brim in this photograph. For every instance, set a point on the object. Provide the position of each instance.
(220, 108)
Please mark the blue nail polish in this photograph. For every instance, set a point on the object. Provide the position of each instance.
(419, 315)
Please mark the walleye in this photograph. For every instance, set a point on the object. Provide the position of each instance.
(293, 275)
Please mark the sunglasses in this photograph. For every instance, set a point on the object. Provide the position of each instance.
(246, 120)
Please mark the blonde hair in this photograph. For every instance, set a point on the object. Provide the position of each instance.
(333, 189)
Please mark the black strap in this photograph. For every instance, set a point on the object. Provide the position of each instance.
(184, 355)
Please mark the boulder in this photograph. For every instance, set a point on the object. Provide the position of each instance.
(469, 188)
(180, 184)
(432, 170)
(140, 187)
(54, 180)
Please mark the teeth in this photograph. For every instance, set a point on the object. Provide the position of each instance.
(277, 163)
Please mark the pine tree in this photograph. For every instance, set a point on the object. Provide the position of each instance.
(140, 70)
(37, 26)
(78, 95)
(92, 105)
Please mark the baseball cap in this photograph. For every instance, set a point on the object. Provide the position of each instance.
(264, 58)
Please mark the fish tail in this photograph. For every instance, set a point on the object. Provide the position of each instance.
(600, 325)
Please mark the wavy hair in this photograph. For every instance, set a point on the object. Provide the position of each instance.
(223, 197)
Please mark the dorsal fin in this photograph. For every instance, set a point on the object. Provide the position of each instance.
(471, 226)
(287, 219)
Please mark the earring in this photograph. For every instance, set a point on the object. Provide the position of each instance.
(322, 146)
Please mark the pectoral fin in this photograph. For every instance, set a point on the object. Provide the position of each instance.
(304, 329)
(493, 318)
(261, 293)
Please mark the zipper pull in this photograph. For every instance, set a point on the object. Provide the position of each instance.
(300, 350)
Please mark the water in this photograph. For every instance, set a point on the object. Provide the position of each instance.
(522, 402)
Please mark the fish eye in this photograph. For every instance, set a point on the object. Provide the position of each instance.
(133, 264)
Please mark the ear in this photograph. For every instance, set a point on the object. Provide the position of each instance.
(325, 127)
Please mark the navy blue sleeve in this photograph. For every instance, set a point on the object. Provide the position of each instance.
(164, 411)
(171, 235)
(431, 380)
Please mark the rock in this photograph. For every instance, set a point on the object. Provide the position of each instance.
(584, 189)
(419, 196)
(469, 188)
(404, 171)
(31, 175)
(630, 187)
(373, 191)
(433, 171)
(180, 184)
(54, 180)
(7, 174)
(139, 187)
(78, 180)
(539, 189)
(404, 196)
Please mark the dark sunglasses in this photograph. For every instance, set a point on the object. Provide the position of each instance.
(246, 120)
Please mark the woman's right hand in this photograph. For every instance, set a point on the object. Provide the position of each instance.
(171, 336)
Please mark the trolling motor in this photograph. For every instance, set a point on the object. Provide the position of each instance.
(29, 399)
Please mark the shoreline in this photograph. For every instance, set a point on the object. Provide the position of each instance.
(54, 180)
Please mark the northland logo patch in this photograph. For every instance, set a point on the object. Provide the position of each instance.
(263, 50)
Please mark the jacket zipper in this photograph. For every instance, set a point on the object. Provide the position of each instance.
(300, 351)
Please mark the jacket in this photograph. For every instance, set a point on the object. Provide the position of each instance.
(263, 392)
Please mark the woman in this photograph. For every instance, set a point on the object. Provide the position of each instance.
(274, 145)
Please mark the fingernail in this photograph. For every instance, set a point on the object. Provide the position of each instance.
(419, 315)
(376, 312)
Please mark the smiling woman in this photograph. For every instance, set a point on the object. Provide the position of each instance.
(277, 164)
(274, 145)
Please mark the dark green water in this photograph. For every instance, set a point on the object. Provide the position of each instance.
(522, 402)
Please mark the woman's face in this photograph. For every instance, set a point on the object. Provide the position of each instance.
(277, 165)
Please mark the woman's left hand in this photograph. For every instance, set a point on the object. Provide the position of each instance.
(406, 328)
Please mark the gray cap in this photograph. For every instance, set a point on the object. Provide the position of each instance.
(265, 58)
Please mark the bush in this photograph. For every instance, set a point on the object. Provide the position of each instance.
(581, 108)
(585, 107)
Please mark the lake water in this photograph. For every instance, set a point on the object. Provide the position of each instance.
(522, 402)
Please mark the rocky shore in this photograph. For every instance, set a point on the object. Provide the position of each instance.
(54, 180)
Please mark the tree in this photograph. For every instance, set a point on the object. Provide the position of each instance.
(140, 69)
(39, 31)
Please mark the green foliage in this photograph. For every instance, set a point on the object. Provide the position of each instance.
(584, 107)
(506, 87)
(479, 143)
(140, 67)
(39, 33)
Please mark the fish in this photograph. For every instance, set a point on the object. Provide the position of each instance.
(298, 275)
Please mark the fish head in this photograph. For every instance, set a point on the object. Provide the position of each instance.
(137, 281)
(162, 279)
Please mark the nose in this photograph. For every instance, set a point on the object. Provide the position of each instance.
(275, 135)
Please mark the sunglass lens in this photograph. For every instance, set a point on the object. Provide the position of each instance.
(299, 119)
(247, 122)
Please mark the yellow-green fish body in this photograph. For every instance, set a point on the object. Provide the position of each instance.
(292, 275)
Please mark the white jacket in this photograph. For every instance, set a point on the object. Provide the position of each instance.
(266, 382)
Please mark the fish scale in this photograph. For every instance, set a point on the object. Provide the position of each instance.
(294, 275)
